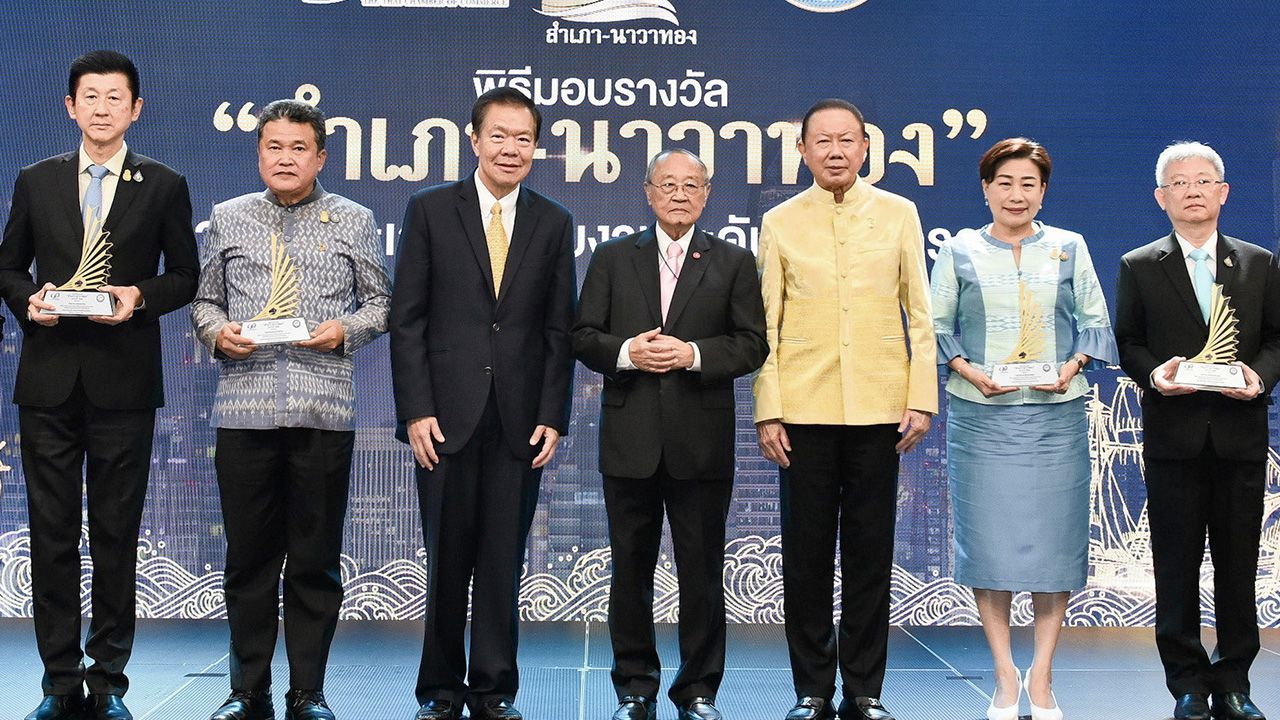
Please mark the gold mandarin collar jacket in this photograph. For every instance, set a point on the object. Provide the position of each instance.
(837, 281)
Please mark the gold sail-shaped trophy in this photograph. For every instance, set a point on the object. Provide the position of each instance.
(278, 322)
(1211, 369)
(80, 296)
(1026, 366)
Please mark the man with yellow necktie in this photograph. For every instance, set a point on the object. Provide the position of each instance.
(482, 363)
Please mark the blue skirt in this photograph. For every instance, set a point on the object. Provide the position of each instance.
(1019, 478)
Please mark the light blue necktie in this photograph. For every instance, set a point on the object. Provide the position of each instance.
(93, 196)
(1203, 280)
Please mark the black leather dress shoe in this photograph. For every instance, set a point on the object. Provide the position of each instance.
(636, 707)
(58, 707)
(244, 705)
(306, 705)
(812, 708)
(864, 708)
(1235, 706)
(699, 708)
(439, 710)
(1192, 706)
(496, 709)
(107, 707)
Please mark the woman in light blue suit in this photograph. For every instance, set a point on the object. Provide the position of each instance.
(1018, 457)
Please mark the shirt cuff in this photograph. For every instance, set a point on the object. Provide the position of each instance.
(697, 358)
(624, 356)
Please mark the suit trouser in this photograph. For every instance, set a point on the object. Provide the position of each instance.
(284, 493)
(1186, 499)
(697, 510)
(111, 451)
(477, 506)
(842, 479)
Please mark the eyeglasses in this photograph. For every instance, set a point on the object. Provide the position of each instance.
(669, 188)
(1181, 186)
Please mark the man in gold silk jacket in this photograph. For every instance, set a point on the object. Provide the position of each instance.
(846, 389)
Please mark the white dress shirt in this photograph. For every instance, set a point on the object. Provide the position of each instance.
(507, 202)
(664, 242)
(114, 167)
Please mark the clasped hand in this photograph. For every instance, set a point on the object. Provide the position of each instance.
(657, 353)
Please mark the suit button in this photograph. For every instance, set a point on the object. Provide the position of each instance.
(489, 371)
(496, 328)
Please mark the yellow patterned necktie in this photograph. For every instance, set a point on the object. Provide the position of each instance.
(496, 238)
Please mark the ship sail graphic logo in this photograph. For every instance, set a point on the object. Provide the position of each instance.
(598, 11)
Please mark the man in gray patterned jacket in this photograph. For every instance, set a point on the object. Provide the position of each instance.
(284, 412)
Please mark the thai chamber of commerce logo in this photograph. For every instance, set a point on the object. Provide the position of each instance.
(604, 11)
(826, 5)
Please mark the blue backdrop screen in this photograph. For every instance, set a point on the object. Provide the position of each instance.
(1104, 86)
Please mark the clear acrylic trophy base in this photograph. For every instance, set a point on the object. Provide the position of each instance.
(275, 332)
(77, 303)
(1024, 374)
(1209, 376)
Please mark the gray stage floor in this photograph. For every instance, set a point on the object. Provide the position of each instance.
(179, 672)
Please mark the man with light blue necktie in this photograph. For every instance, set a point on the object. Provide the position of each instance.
(88, 387)
(1204, 452)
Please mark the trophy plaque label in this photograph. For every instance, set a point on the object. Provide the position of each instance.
(1024, 374)
(274, 332)
(69, 303)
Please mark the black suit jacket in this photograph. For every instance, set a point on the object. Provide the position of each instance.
(119, 366)
(1157, 317)
(682, 416)
(452, 339)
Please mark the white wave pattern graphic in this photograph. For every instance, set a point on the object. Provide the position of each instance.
(601, 11)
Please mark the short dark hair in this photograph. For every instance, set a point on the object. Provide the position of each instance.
(103, 62)
(1015, 149)
(504, 96)
(832, 104)
(294, 111)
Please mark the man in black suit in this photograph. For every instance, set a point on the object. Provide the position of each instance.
(670, 316)
(482, 364)
(1204, 452)
(87, 388)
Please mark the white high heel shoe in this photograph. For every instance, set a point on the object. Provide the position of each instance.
(1037, 712)
(1009, 712)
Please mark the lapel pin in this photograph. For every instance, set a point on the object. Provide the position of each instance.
(1055, 253)
(1064, 257)
(697, 255)
(871, 223)
(1228, 262)
(137, 177)
(323, 247)
(127, 175)
(324, 216)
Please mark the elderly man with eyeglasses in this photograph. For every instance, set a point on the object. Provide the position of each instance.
(670, 316)
(1204, 448)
